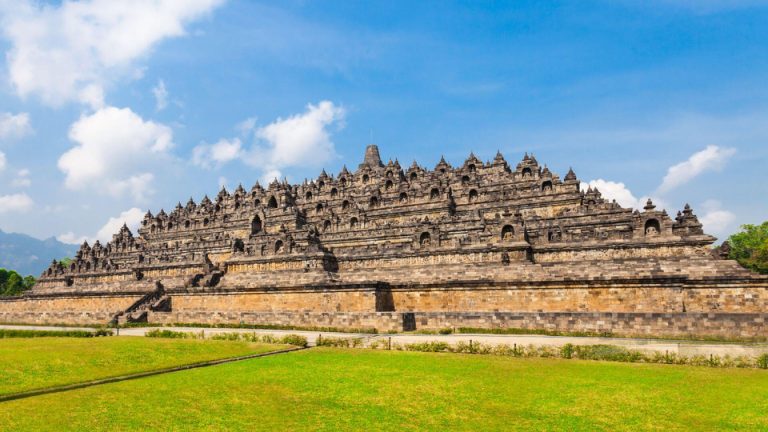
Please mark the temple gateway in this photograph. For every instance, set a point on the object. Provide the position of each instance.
(481, 245)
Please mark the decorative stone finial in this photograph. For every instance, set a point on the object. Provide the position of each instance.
(372, 158)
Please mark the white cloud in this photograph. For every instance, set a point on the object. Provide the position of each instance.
(711, 158)
(246, 126)
(223, 151)
(3, 161)
(14, 125)
(15, 203)
(114, 148)
(161, 95)
(71, 51)
(299, 140)
(131, 217)
(22, 179)
(716, 220)
(615, 191)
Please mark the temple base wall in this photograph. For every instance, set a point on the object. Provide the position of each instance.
(716, 325)
(89, 310)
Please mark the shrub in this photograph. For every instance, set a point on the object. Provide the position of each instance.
(566, 351)
(340, 342)
(608, 352)
(168, 334)
(762, 361)
(293, 339)
(427, 347)
(11, 333)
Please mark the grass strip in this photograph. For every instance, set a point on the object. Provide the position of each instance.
(58, 389)
(18, 333)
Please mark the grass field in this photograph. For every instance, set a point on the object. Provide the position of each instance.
(45, 362)
(334, 389)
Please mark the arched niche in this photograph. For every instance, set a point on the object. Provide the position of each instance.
(473, 195)
(326, 225)
(414, 176)
(434, 193)
(272, 203)
(425, 239)
(256, 225)
(374, 202)
(652, 228)
(546, 186)
(279, 246)
(507, 233)
(353, 222)
(527, 172)
(403, 197)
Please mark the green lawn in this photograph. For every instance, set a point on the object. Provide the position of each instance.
(334, 389)
(44, 362)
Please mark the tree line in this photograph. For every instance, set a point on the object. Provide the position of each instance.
(13, 284)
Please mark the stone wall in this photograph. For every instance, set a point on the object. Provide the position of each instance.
(724, 325)
(64, 310)
(326, 300)
(611, 297)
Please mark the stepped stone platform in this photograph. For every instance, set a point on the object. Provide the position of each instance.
(392, 248)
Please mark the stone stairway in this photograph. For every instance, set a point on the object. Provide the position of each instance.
(157, 300)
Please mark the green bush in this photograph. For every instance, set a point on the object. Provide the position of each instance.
(295, 340)
(340, 342)
(169, 334)
(427, 347)
(762, 361)
(566, 351)
(10, 333)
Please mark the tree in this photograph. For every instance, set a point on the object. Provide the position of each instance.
(12, 284)
(750, 247)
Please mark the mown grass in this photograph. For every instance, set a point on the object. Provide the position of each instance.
(29, 364)
(336, 389)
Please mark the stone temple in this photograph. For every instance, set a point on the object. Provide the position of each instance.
(481, 245)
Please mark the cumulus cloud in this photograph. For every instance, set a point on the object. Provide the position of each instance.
(3, 161)
(131, 217)
(301, 140)
(716, 220)
(161, 95)
(711, 158)
(223, 151)
(22, 179)
(246, 126)
(616, 191)
(14, 125)
(15, 203)
(71, 51)
(113, 147)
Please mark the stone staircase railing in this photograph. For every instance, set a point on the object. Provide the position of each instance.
(138, 311)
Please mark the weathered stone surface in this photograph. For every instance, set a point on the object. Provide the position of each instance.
(480, 245)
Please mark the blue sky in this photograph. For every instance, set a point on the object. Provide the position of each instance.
(108, 109)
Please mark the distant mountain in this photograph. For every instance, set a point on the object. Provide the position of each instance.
(30, 256)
